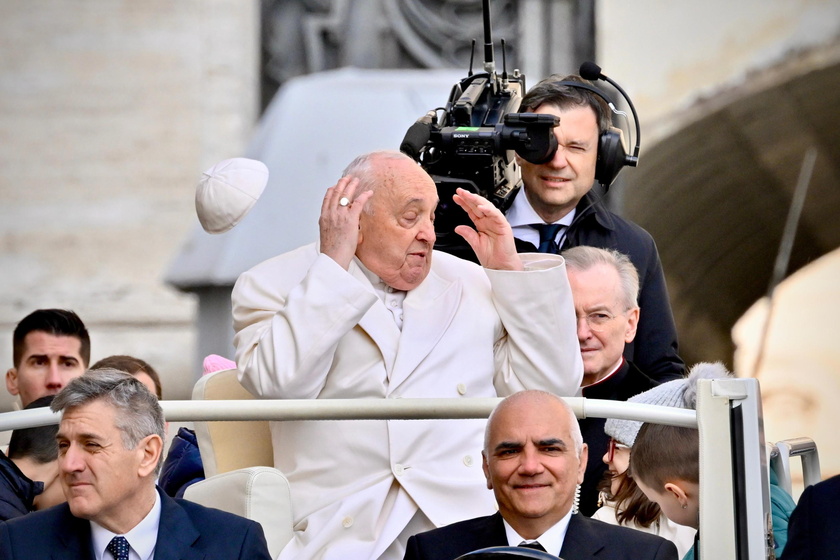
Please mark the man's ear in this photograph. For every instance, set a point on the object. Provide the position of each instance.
(632, 325)
(151, 448)
(486, 468)
(361, 234)
(584, 458)
(12, 381)
(678, 492)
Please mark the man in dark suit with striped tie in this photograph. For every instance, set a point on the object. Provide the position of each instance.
(534, 457)
(556, 209)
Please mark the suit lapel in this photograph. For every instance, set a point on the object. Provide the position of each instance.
(471, 535)
(378, 323)
(496, 535)
(428, 311)
(176, 533)
(75, 539)
(524, 246)
(580, 541)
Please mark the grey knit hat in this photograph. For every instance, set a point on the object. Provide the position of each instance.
(679, 393)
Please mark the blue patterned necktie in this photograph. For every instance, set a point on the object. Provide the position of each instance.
(548, 233)
(118, 547)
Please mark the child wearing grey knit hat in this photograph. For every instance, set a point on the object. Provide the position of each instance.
(679, 393)
(666, 465)
(624, 502)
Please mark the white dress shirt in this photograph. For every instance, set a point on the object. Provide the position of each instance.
(521, 215)
(142, 538)
(551, 540)
(393, 299)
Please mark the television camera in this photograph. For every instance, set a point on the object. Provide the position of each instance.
(471, 141)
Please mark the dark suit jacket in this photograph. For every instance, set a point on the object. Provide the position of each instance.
(815, 522)
(586, 539)
(17, 492)
(187, 531)
(655, 348)
(627, 382)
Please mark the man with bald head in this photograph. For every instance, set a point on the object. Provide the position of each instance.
(371, 311)
(533, 459)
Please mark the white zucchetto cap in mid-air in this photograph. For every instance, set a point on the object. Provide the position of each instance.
(227, 192)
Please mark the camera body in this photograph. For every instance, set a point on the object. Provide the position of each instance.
(471, 143)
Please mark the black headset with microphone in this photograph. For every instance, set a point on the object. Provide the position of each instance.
(612, 155)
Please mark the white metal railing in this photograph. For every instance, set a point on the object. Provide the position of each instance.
(366, 409)
(720, 537)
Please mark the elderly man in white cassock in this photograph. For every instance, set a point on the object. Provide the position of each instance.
(372, 311)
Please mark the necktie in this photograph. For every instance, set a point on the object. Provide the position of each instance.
(534, 545)
(118, 547)
(548, 232)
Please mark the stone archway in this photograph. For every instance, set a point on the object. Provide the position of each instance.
(715, 193)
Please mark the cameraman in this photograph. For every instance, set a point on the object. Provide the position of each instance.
(557, 193)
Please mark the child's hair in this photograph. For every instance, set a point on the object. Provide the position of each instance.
(631, 505)
(663, 454)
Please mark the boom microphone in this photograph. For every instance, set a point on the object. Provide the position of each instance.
(590, 71)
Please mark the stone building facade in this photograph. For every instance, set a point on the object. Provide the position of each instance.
(109, 111)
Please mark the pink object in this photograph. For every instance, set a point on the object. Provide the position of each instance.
(214, 363)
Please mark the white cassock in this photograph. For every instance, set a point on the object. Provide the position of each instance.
(308, 329)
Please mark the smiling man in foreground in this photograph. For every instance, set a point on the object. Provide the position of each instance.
(534, 457)
(373, 312)
(109, 445)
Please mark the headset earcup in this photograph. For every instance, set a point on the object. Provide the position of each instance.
(611, 157)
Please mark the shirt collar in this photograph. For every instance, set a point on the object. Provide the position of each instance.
(372, 278)
(378, 283)
(551, 540)
(521, 213)
(592, 205)
(142, 538)
(610, 374)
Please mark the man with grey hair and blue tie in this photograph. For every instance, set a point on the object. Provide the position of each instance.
(110, 440)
